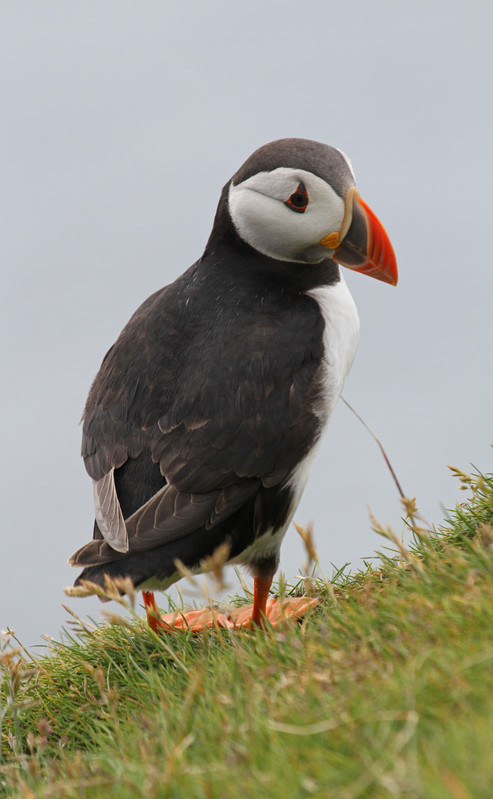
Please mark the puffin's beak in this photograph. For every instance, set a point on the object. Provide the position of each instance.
(365, 247)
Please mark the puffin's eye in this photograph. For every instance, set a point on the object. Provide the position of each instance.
(299, 200)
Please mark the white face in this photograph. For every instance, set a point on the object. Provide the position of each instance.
(262, 218)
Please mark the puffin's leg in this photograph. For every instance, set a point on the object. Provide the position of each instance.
(152, 611)
(261, 588)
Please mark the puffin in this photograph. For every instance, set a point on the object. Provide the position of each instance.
(204, 419)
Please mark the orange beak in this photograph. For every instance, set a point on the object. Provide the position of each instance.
(365, 247)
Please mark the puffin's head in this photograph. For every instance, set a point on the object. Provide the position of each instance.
(296, 200)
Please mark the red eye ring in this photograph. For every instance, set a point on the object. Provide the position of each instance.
(298, 201)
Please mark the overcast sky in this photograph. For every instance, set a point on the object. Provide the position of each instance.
(121, 122)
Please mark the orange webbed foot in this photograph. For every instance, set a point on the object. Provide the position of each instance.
(277, 613)
(265, 611)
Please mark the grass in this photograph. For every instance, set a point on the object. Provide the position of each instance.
(386, 690)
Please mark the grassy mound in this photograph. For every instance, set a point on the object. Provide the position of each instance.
(385, 690)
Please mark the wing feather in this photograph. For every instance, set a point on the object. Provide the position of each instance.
(109, 514)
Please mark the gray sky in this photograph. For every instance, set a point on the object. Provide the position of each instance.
(120, 123)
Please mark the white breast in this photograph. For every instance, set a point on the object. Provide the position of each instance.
(341, 337)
